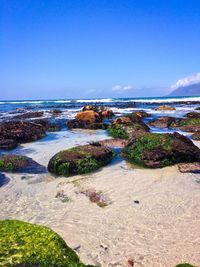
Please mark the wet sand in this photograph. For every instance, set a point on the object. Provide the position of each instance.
(161, 230)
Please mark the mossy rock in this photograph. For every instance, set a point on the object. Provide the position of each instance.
(80, 160)
(159, 150)
(26, 244)
(127, 127)
(19, 163)
(188, 124)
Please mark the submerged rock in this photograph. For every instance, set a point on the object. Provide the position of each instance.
(163, 122)
(165, 108)
(159, 150)
(3, 179)
(80, 159)
(189, 167)
(127, 127)
(19, 163)
(26, 244)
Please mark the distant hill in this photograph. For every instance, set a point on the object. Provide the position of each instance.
(190, 90)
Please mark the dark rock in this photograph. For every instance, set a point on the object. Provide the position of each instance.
(78, 124)
(159, 150)
(20, 132)
(193, 115)
(18, 163)
(136, 201)
(80, 159)
(30, 115)
(91, 108)
(8, 144)
(163, 122)
(56, 112)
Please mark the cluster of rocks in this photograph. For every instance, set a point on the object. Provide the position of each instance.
(91, 117)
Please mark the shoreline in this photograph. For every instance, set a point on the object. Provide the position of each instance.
(154, 232)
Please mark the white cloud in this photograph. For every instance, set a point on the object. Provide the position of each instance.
(193, 79)
(122, 88)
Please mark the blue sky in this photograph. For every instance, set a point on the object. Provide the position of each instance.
(96, 48)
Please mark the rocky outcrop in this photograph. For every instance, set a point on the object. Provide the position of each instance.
(14, 132)
(163, 122)
(165, 108)
(25, 244)
(56, 112)
(89, 117)
(80, 159)
(127, 127)
(19, 163)
(160, 150)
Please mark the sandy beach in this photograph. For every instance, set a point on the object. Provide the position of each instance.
(153, 217)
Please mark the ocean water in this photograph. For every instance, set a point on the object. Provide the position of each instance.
(8, 109)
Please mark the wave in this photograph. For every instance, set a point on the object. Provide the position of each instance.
(108, 100)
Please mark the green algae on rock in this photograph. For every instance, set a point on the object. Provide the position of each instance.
(26, 244)
(80, 160)
(159, 150)
(127, 127)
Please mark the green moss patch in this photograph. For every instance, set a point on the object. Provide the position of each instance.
(28, 244)
(117, 131)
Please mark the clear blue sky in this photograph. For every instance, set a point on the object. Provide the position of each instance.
(89, 48)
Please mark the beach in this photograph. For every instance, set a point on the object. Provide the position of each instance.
(153, 215)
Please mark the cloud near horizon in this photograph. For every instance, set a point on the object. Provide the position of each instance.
(122, 88)
(189, 80)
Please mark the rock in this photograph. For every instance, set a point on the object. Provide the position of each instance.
(63, 196)
(20, 132)
(163, 122)
(18, 163)
(193, 115)
(8, 144)
(165, 108)
(91, 108)
(56, 112)
(107, 113)
(79, 160)
(141, 114)
(187, 124)
(189, 167)
(48, 126)
(78, 124)
(130, 262)
(25, 244)
(30, 115)
(196, 136)
(89, 116)
(127, 127)
(159, 150)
